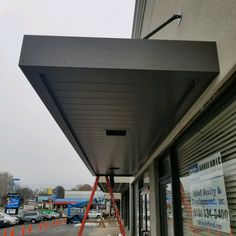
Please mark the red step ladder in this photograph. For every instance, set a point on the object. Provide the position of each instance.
(121, 226)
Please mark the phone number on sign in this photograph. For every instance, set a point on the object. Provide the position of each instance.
(222, 214)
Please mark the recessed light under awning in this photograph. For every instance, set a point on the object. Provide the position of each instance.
(89, 84)
(110, 132)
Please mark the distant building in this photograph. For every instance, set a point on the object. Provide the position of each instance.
(82, 194)
(72, 197)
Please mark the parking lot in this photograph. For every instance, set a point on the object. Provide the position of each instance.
(62, 229)
(47, 222)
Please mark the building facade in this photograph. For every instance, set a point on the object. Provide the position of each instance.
(188, 184)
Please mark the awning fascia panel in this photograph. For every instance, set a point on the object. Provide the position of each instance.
(42, 53)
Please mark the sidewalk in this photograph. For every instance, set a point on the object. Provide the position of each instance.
(92, 229)
(51, 228)
(96, 231)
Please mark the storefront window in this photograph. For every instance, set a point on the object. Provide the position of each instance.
(125, 208)
(144, 203)
(169, 209)
(166, 197)
(207, 164)
(143, 210)
(166, 201)
(136, 208)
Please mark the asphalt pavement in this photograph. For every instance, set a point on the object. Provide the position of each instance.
(47, 229)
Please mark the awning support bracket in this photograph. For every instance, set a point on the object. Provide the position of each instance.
(174, 17)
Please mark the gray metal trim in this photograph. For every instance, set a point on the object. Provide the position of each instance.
(104, 53)
(161, 58)
(140, 6)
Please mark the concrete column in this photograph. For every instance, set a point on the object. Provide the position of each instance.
(131, 209)
(154, 200)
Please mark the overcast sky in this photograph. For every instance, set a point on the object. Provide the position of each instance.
(32, 147)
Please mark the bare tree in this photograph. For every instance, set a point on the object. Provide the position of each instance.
(25, 193)
(59, 191)
(43, 192)
(85, 187)
(77, 186)
(82, 187)
(6, 180)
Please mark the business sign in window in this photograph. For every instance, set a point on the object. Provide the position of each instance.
(208, 194)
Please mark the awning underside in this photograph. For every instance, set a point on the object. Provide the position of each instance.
(116, 99)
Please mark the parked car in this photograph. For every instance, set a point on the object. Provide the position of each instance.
(4, 223)
(16, 220)
(31, 216)
(78, 218)
(21, 221)
(7, 218)
(94, 214)
(1, 223)
(46, 216)
(53, 214)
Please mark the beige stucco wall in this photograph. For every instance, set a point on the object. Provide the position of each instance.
(203, 20)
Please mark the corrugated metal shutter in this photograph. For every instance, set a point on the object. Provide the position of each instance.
(219, 135)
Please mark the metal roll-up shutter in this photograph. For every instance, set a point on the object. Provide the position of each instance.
(219, 135)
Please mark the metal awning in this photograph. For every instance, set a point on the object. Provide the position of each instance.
(121, 184)
(116, 99)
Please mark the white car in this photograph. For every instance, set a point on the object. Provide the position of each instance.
(94, 214)
(54, 215)
(11, 219)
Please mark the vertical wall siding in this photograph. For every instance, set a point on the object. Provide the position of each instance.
(219, 135)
